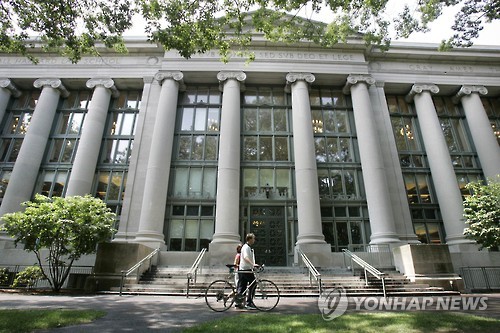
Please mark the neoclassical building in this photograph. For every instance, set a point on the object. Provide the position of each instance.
(322, 149)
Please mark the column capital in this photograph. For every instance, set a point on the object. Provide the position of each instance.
(418, 88)
(236, 75)
(293, 77)
(53, 83)
(466, 90)
(104, 82)
(354, 79)
(173, 75)
(7, 84)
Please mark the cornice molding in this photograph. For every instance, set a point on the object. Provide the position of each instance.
(53, 83)
(104, 82)
(419, 88)
(7, 84)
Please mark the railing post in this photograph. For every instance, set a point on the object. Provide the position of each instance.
(483, 269)
(383, 287)
(366, 278)
(121, 282)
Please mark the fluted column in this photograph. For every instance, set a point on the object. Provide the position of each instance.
(7, 89)
(25, 172)
(484, 139)
(306, 174)
(372, 164)
(156, 184)
(82, 173)
(228, 175)
(443, 175)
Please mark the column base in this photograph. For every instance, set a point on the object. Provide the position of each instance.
(459, 240)
(151, 239)
(226, 238)
(384, 238)
(221, 253)
(319, 254)
(303, 239)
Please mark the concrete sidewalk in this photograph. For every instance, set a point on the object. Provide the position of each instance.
(138, 313)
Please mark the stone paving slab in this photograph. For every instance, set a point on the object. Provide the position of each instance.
(142, 313)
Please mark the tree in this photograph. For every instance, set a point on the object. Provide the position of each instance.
(67, 227)
(482, 211)
(76, 27)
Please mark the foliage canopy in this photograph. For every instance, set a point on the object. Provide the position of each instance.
(74, 28)
(67, 227)
(482, 211)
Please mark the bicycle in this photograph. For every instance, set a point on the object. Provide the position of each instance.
(220, 295)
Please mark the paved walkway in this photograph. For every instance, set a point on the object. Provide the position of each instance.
(137, 313)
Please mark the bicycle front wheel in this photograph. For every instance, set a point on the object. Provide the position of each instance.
(267, 295)
(219, 295)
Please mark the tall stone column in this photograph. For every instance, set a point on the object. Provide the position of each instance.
(7, 89)
(443, 175)
(372, 163)
(25, 172)
(310, 237)
(482, 134)
(82, 173)
(152, 217)
(228, 175)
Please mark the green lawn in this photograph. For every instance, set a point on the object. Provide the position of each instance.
(13, 321)
(376, 322)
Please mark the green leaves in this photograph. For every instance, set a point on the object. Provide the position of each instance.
(67, 227)
(482, 211)
(75, 28)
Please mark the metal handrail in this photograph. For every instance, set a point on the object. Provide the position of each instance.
(136, 268)
(193, 271)
(313, 272)
(367, 268)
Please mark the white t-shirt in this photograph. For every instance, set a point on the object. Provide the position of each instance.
(247, 255)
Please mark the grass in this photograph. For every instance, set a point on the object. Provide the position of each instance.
(373, 322)
(17, 321)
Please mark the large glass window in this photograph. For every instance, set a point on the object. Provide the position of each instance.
(191, 227)
(492, 107)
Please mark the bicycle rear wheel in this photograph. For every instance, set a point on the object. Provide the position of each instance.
(219, 295)
(267, 295)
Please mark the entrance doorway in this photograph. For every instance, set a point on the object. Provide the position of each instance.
(268, 225)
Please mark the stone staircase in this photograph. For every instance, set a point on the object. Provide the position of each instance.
(292, 281)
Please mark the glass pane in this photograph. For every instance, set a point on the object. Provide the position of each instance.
(250, 119)
(434, 234)
(342, 123)
(121, 151)
(266, 149)
(423, 189)
(319, 144)
(330, 125)
(59, 183)
(460, 134)
(4, 149)
(215, 96)
(15, 150)
(178, 210)
(102, 185)
(328, 232)
(211, 148)
(47, 183)
(192, 210)
(356, 234)
(314, 97)
(187, 119)
(250, 148)
(398, 129)
(280, 123)
(350, 183)
(392, 104)
(250, 182)
(180, 182)
(206, 229)
(448, 135)
(409, 132)
(265, 122)
(336, 182)
(411, 188)
(69, 147)
(127, 124)
(63, 122)
(115, 185)
(279, 97)
(195, 182)
(4, 181)
(202, 95)
(420, 232)
(250, 96)
(323, 182)
(266, 177)
(56, 150)
(283, 181)
(209, 183)
(207, 211)
(176, 229)
(76, 123)
(265, 96)
(281, 148)
(184, 147)
(342, 235)
(200, 119)
(198, 147)
(340, 212)
(213, 119)
(317, 121)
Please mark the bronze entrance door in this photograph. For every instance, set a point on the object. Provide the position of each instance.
(268, 225)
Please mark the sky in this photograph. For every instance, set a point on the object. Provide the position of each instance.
(439, 29)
